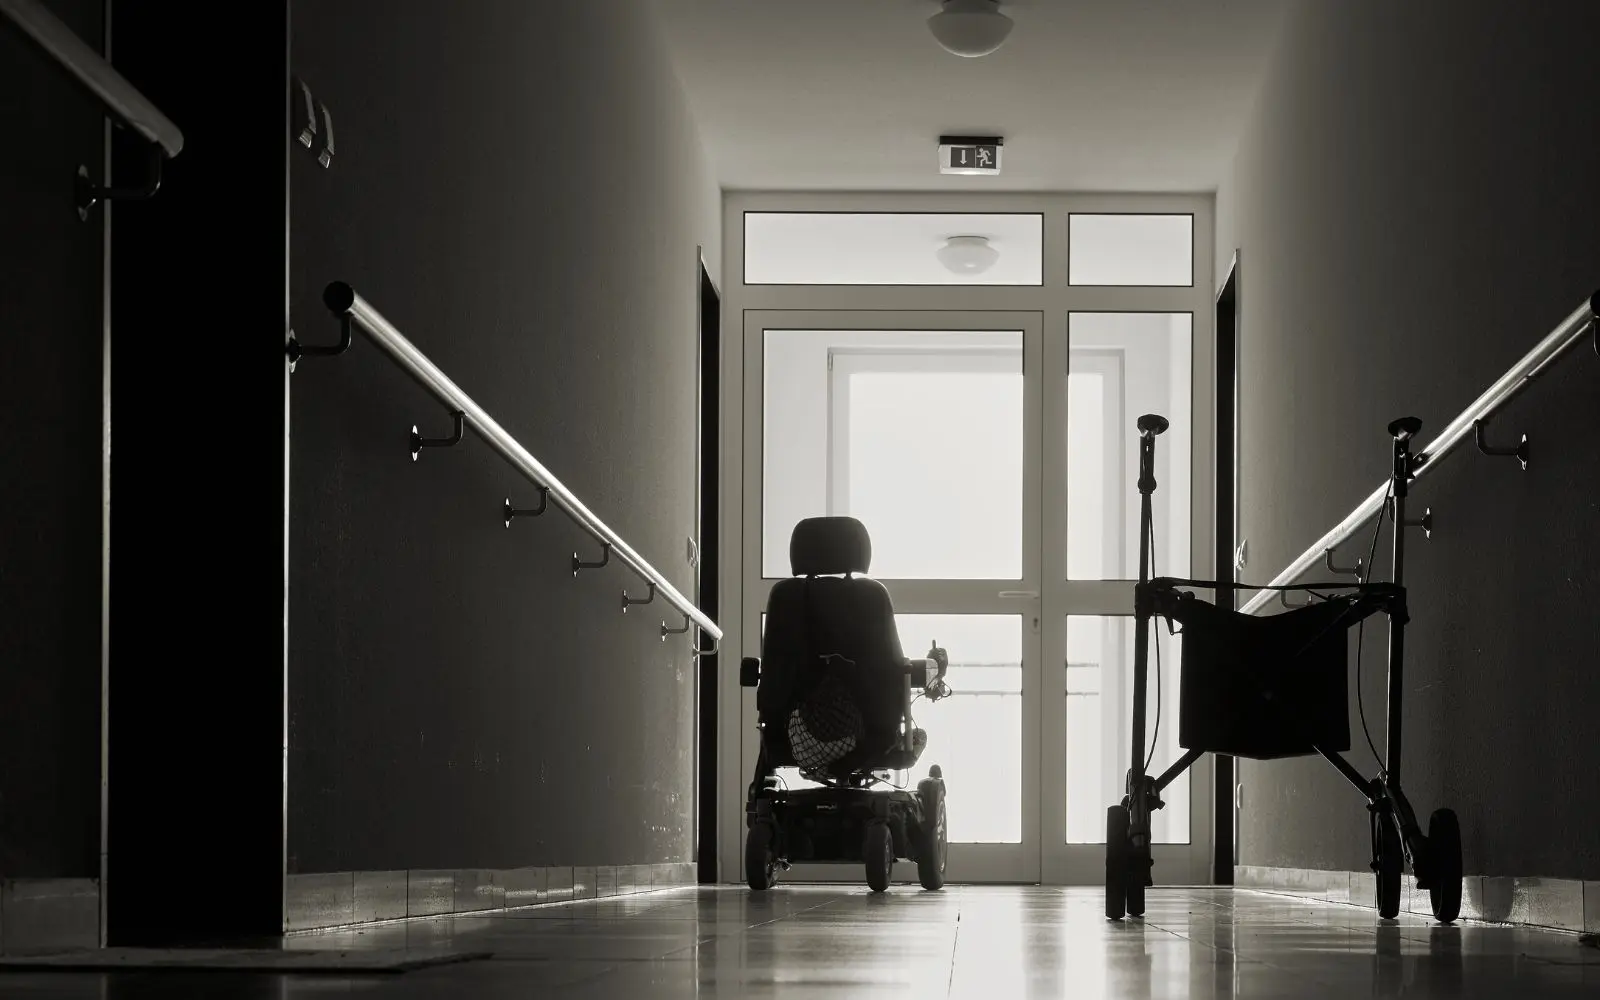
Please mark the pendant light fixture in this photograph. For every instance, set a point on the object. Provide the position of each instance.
(970, 28)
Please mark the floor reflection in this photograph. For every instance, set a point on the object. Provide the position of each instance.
(986, 943)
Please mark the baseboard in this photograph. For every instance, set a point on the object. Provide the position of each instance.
(48, 914)
(1554, 903)
(337, 899)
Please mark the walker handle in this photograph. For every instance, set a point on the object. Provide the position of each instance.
(1405, 428)
(1152, 424)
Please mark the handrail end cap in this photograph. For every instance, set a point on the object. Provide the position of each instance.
(339, 297)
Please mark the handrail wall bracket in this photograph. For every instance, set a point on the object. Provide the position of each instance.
(1283, 599)
(296, 350)
(628, 602)
(418, 442)
(1425, 522)
(87, 194)
(1520, 452)
(1358, 570)
(578, 564)
(512, 513)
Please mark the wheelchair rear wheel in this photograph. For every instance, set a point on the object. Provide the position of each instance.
(878, 852)
(1444, 858)
(1117, 852)
(933, 845)
(760, 861)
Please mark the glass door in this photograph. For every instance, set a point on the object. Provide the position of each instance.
(1104, 371)
(927, 427)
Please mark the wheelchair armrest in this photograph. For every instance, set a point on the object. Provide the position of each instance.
(750, 671)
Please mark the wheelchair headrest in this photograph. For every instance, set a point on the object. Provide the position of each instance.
(824, 546)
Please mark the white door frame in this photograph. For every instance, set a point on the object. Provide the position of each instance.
(1015, 863)
(1054, 301)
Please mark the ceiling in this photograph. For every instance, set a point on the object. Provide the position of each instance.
(1090, 95)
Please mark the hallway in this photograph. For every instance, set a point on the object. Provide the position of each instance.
(459, 608)
(997, 943)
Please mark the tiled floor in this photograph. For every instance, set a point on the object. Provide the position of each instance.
(993, 943)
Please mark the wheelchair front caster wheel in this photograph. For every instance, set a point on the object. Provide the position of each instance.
(760, 858)
(878, 852)
(1444, 862)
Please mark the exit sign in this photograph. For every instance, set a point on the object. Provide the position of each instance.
(975, 155)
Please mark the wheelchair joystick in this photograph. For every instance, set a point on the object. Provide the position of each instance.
(936, 687)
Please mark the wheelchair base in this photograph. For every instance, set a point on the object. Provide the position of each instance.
(855, 825)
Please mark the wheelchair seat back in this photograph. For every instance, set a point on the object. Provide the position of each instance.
(832, 685)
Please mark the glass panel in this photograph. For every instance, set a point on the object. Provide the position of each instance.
(1130, 250)
(974, 735)
(888, 426)
(1121, 366)
(844, 248)
(1099, 707)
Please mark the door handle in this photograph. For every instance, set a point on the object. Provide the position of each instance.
(1019, 595)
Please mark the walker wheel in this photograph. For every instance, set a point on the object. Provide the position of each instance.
(1137, 877)
(1388, 863)
(1444, 860)
(1118, 850)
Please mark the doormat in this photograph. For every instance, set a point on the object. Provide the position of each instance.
(289, 960)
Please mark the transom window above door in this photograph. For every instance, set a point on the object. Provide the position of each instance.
(882, 248)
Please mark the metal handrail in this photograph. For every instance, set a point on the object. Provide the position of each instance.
(344, 302)
(1583, 321)
(84, 63)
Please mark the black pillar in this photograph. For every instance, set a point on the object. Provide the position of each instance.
(198, 578)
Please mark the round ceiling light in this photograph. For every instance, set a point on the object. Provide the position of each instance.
(970, 28)
(967, 254)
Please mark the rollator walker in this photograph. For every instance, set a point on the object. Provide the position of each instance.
(1268, 687)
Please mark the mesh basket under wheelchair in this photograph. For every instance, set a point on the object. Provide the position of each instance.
(825, 726)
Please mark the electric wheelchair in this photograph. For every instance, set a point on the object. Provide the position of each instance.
(833, 698)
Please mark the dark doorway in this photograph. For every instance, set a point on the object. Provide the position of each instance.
(1226, 507)
(706, 558)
